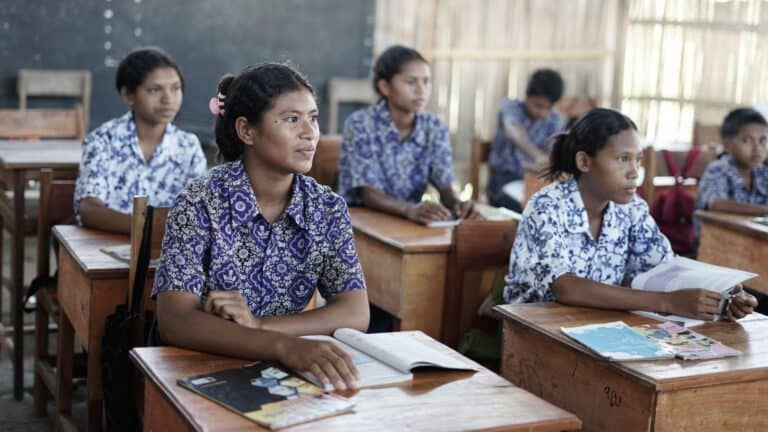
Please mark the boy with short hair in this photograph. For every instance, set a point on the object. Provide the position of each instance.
(738, 181)
(524, 129)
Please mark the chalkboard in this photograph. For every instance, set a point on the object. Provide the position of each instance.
(208, 38)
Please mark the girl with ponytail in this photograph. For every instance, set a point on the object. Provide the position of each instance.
(246, 247)
(583, 239)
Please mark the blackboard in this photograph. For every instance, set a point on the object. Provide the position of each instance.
(323, 38)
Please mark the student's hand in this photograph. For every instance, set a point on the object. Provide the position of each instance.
(741, 305)
(427, 211)
(694, 303)
(230, 305)
(329, 363)
(466, 210)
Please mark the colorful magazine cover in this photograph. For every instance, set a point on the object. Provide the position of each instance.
(617, 341)
(685, 343)
(267, 395)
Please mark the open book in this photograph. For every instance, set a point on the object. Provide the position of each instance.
(386, 358)
(680, 273)
(266, 394)
(618, 341)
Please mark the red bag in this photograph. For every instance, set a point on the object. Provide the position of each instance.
(673, 208)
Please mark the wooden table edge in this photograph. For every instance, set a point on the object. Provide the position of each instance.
(665, 384)
(743, 225)
(152, 378)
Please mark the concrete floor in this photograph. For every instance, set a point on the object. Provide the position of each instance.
(18, 415)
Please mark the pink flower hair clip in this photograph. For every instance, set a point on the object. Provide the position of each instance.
(216, 104)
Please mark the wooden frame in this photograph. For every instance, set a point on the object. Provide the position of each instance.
(56, 197)
(56, 83)
(476, 245)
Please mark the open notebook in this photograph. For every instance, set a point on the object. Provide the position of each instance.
(387, 358)
(679, 273)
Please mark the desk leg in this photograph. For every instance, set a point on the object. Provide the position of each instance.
(64, 365)
(94, 406)
(17, 284)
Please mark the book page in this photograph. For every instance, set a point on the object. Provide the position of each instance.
(444, 223)
(686, 344)
(680, 273)
(372, 372)
(399, 350)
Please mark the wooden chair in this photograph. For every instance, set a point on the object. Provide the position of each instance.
(56, 83)
(479, 156)
(346, 90)
(42, 123)
(325, 165)
(477, 245)
(56, 197)
(657, 177)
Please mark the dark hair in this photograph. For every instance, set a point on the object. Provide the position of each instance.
(250, 95)
(547, 83)
(738, 118)
(135, 67)
(589, 134)
(390, 62)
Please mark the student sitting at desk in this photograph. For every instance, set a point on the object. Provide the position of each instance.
(245, 246)
(392, 150)
(581, 240)
(738, 181)
(141, 152)
(523, 132)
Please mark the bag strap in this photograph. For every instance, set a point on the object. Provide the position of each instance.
(690, 161)
(671, 164)
(142, 263)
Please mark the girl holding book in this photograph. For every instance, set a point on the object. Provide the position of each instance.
(583, 239)
(246, 246)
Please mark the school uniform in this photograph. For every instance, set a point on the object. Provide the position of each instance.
(113, 168)
(506, 160)
(553, 239)
(721, 179)
(217, 239)
(372, 154)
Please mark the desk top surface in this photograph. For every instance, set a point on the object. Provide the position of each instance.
(734, 222)
(36, 154)
(434, 400)
(83, 245)
(400, 233)
(749, 335)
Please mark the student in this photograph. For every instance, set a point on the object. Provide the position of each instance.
(246, 245)
(391, 150)
(521, 137)
(738, 181)
(141, 152)
(582, 240)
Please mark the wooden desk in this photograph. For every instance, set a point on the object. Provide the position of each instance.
(21, 161)
(405, 265)
(434, 401)
(669, 395)
(91, 284)
(734, 241)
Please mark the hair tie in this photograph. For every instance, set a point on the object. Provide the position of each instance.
(216, 104)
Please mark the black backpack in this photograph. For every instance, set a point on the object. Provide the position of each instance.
(119, 376)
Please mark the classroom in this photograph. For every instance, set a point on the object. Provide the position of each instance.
(384, 215)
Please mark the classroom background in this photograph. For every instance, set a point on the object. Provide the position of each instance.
(676, 67)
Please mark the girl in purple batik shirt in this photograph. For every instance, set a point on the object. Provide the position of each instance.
(246, 246)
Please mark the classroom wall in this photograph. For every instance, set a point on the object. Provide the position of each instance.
(207, 38)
